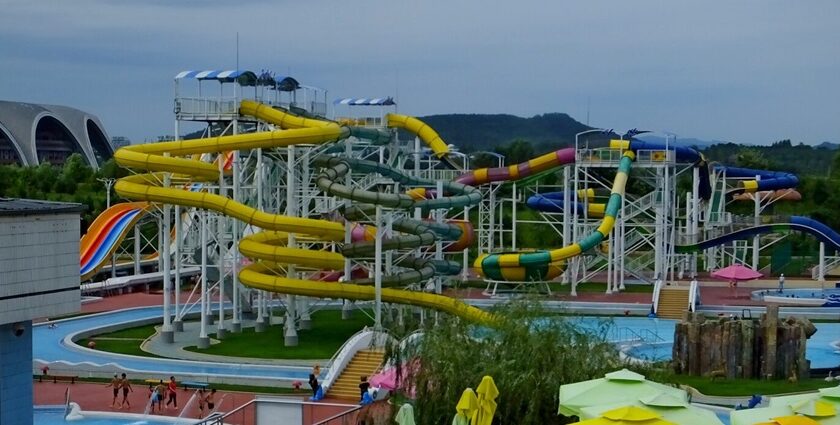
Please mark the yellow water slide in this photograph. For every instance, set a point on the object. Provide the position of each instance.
(267, 246)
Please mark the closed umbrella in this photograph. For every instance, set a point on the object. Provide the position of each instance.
(628, 415)
(465, 408)
(619, 387)
(405, 416)
(487, 393)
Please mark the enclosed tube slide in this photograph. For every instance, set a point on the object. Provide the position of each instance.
(544, 265)
(552, 202)
(813, 227)
(518, 171)
(682, 154)
(767, 180)
(261, 275)
(427, 134)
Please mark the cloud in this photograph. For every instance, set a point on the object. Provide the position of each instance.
(750, 71)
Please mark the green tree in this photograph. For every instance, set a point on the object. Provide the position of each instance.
(529, 355)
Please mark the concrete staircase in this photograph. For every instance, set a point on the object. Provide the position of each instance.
(673, 301)
(364, 363)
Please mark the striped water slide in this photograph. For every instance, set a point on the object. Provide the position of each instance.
(548, 264)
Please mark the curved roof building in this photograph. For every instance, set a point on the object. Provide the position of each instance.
(31, 134)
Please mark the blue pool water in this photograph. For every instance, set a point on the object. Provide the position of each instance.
(820, 351)
(51, 416)
(49, 346)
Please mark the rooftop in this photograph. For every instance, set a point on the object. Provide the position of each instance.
(15, 207)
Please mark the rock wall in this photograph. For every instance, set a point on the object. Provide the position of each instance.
(730, 348)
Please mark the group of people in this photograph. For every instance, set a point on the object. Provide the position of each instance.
(162, 391)
(159, 392)
(317, 391)
(120, 383)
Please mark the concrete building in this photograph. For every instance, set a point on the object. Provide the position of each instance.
(39, 277)
(31, 134)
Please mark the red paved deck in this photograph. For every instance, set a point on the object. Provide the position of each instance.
(97, 397)
(92, 396)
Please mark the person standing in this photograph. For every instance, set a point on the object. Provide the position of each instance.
(201, 402)
(160, 394)
(781, 283)
(116, 384)
(126, 387)
(172, 391)
(363, 387)
(313, 379)
(211, 404)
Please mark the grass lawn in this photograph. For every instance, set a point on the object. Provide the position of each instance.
(120, 346)
(747, 387)
(327, 335)
(140, 332)
(125, 341)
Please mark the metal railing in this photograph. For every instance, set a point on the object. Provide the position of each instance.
(693, 295)
(624, 335)
(197, 106)
(657, 289)
(344, 418)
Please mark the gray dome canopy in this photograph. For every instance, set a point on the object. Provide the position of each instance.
(32, 133)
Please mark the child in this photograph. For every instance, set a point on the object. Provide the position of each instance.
(363, 387)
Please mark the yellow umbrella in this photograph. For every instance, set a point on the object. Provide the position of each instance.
(465, 408)
(487, 393)
(814, 408)
(795, 420)
(628, 415)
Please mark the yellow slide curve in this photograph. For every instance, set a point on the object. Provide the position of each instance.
(266, 246)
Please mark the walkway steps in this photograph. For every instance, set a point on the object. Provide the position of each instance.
(364, 363)
(673, 302)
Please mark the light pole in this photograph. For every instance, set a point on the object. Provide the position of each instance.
(108, 182)
(499, 157)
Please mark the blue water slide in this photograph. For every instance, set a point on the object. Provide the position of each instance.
(768, 180)
(684, 153)
(552, 202)
(825, 233)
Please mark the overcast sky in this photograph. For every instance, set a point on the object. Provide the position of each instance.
(743, 71)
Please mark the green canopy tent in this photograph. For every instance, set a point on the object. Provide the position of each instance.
(619, 387)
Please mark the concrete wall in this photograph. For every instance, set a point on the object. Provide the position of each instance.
(39, 266)
(16, 374)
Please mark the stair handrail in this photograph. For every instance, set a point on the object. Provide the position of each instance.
(693, 295)
(343, 416)
(657, 288)
(342, 357)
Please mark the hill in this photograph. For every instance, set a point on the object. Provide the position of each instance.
(472, 132)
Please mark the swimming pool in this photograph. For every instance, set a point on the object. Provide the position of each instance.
(55, 416)
(820, 350)
(50, 345)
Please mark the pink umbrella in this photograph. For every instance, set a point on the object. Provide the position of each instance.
(387, 378)
(736, 272)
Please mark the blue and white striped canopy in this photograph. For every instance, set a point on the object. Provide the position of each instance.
(354, 101)
(244, 77)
